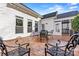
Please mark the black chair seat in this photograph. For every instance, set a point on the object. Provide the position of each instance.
(54, 51)
(22, 51)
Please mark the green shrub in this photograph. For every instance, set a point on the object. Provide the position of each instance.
(75, 24)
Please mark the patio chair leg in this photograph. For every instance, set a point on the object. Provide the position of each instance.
(29, 52)
(6, 52)
(45, 52)
(2, 52)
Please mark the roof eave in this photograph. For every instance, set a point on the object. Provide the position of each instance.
(22, 8)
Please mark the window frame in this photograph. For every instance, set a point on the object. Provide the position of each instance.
(28, 28)
(36, 26)
(17, 26)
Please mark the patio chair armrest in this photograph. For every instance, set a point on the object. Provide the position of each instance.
(10, 46)
(27, 46)
(48, 45)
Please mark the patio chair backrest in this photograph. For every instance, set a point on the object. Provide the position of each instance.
(72, 43)
(44, 33)
(3, 47)
(1, 41)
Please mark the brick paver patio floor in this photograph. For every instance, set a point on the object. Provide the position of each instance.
(37, 47)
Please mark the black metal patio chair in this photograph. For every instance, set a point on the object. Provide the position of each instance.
(18, 50)
(44, 34)
(67, 50)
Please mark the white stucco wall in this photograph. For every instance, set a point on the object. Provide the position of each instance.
(48, 22)
(8, 22)
(51, 24)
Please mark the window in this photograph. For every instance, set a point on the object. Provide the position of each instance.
(43, 27)
(57, 28)
(29, 26)
(19, 24)
(36, 26)
(65, 27)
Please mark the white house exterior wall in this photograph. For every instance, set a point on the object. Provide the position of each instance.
(8, 22)
(51, 24)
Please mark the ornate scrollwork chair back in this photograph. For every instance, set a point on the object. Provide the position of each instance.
(72, 43)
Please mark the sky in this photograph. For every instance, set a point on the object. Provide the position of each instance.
(45, 8)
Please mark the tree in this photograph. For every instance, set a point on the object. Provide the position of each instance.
(75, 24)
